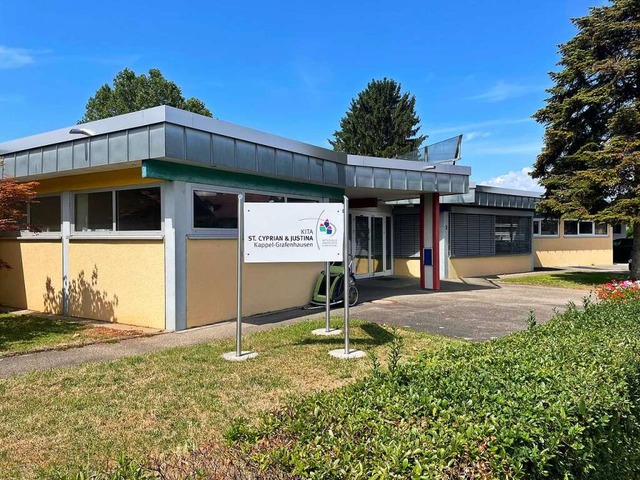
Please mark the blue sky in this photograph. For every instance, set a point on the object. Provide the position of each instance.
(291, 68)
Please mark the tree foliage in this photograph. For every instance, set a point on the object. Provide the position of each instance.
(590, 162)
(381, 121)
(131, 92)
(13, 198)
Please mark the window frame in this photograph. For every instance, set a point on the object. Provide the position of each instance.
(222, 233)
(545, 235)
(584, 235)
(30, 234)
(113, 233)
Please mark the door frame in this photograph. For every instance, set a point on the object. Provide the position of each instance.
(387, 254)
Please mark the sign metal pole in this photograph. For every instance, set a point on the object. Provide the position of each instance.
(345, 264)
(239, 275)
(347, 352)
(239, 355)
(327, 303)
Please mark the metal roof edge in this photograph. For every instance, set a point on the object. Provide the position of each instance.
(166, 114)
(507, 191)
(395, 163)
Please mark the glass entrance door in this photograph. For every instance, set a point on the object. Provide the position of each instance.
(371, 244)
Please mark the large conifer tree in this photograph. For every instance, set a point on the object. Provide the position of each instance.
(381, 122)
(590, 162)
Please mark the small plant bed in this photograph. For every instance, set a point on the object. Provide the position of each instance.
(20, 334)
(580, 280)
(561, 400)
(178, 399)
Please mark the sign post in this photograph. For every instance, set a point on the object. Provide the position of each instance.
(294, 232)
(347, 352)
(239, 355)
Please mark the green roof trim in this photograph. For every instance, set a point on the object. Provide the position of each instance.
(212, 176)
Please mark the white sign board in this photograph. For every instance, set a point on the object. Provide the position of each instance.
(293, 232)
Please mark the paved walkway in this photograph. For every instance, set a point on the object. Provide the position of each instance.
(475, 309)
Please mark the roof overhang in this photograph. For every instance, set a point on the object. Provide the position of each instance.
(173, 135)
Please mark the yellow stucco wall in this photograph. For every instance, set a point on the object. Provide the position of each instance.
(407, 267)
(88, 181)
(211, 283)
(118, 281)
(35, 276)
(572, 251)
(462, 267)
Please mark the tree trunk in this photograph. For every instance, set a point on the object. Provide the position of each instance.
(635, 252)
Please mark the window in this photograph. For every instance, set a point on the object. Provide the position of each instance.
(219, 210)
(585, 228)
(545, 228)
(617, 229)
(44, 213)
(121, 210)
(215, 210)
(472, 235)
(512, 235)
(138, 209)
(406, 235)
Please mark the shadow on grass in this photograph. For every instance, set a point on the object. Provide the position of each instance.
(18, 331)
(376, 336)
(588, 279)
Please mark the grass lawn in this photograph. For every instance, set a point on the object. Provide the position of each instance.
(178, 398)
(25, 333)
(581, 280)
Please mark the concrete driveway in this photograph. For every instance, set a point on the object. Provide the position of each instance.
(474, 309)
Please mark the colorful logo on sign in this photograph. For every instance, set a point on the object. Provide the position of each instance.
(327, 228)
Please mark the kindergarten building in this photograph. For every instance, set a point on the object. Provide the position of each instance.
(138, 216)
(138, 219)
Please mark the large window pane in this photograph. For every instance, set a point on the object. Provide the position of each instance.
(138, 209)
(548, 227)
(94, 211)
(570, 227)
(44, 214)
(585, 228)
(601, 229)
(512, 235)
(215, 210)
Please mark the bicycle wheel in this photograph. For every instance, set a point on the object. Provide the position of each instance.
(353, 295)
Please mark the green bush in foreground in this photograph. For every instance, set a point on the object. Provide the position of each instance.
(557, 401)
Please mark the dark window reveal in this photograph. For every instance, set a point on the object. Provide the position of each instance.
(44, 214)
(215, 210)
(139, 209)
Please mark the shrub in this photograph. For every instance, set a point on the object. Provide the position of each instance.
(557, 401)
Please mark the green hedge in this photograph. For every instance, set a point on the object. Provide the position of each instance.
(556, 401)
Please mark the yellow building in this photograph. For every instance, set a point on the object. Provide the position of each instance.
(563, 243)
(138, 217)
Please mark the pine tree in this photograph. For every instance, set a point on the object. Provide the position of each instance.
(131, 92)
(380, 122)
(590, 162)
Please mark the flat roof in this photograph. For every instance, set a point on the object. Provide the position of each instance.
(173, 135)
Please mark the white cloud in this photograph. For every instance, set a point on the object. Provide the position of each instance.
(502, 91)
(14, 57)
(518, 180)
(469, 136)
